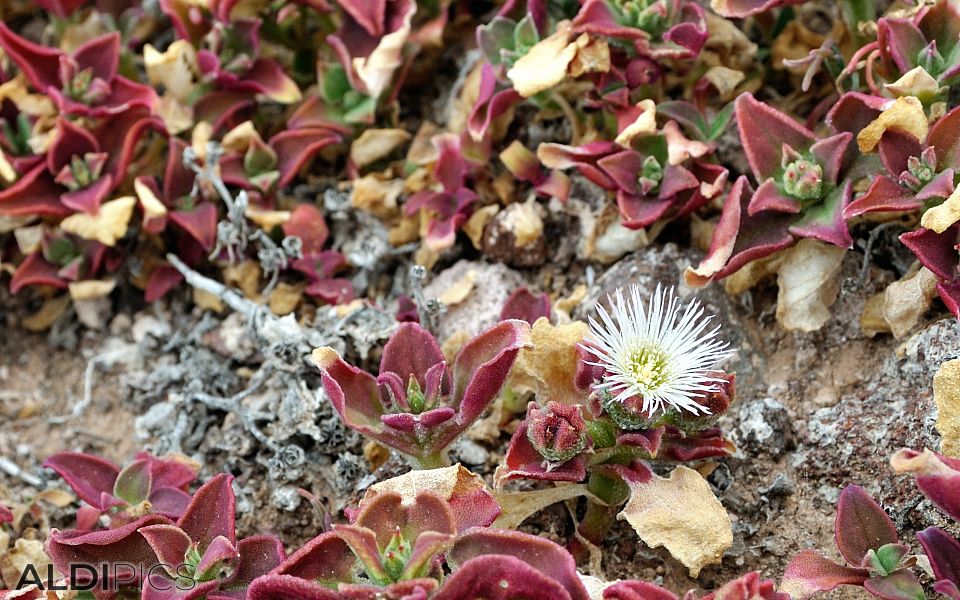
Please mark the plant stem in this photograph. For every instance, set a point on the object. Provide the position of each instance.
(431, 461)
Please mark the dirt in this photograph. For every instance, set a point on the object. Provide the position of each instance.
(814, 412)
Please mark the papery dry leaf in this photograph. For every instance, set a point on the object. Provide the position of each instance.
(946, 393)
(458, 292)
(592, 57)
(78, 32)
(905, 114)
(446, 481)
(523, 221)
(645, 124)
(7, 173)
(175, 68)
(244, 275)
(51, 310)
(548, 367)
(516, 507)
(23, 554)
(727, 45)
(680, 147)
(267, 219)
(545, 64)
(406, 230)
(152, 207)
(374, 144)
(376, 70)
(29, 239)
(724, 79)
(33, 105)
(422, 151)
(681, 514)
(200, 136)
(915, 82)
(375, 454)
(477, 224)
(808, 284)
(752, 273)
(208, 301)
(907, 300)
(567, 304)
(452, 345)
(238, 139)
(107, 226)
(376, 196)
(425, 256)
(940, 218)
(872, 320)
(58, 498)
(285, 298)
(91, 289)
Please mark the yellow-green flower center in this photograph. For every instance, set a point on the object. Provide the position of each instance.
(648, 366)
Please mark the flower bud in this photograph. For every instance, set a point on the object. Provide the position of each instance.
(557, 431)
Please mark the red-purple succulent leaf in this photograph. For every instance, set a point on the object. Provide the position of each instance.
(901, 41)
(637, 590)
(936, 251)
(6, 515)
(88, 199)
(490, 104)
(410, 352)
(414, 589)
(943, 552)
(763, 132)
(101, 55)
(950, 294)
(940, 187)
(326, 558)
(307, 223)
(35, 270)
(410, 423)
(884, 195)
(169, 543)
(450, 169)
(211, 513)
(895, 149)
(623, 168)
(825, 221)
(40, 64)
(937, 476)
(740, 9)
(220, 556)
(363, 544)
(948, 589)
(830, 153)
(169, 471)
(944, 138)
(35, 193)
(259, 555)
(158, 587)
(286, 587)
(861, 525)
(748, 587)
(900, 585)
(497, 577)
(684, 447)
(769, 197)
(648, 439)
(543, 555)
(123, 544)
(269, 79)
(89, 476)
(584, 158)
(524, 305)
(169, 501)
(427, 547)
(854, 111)
(353, 393)
(69, 140)
(162, 279)
(482, 366)
(134, 482)
(740, 238)
(523, 461)
(297, 147)
(810, 573)
(200, 223)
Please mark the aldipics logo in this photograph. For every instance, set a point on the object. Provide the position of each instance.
(107, 577)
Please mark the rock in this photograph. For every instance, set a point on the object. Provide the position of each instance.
(764, 426)
(480, 308)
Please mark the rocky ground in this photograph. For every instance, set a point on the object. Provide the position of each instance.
(814, 411)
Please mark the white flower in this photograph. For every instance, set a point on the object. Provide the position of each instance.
(661, 353)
